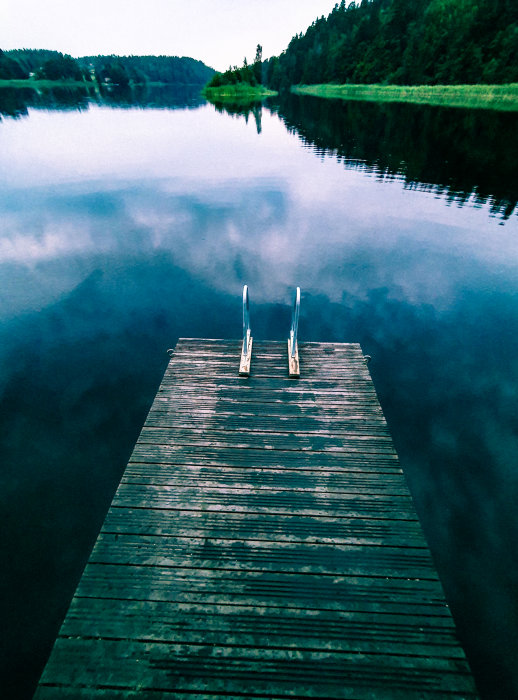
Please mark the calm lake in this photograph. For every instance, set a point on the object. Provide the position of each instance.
(131, 220)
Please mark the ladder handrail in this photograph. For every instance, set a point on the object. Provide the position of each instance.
(295, 322)
(246, 321)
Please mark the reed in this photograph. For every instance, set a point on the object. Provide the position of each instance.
(501, 97)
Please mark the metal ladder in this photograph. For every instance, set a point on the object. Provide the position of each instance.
(293, 349)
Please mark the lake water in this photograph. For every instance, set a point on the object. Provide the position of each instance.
(133, 220)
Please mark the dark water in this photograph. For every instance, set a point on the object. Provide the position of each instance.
(129, 220)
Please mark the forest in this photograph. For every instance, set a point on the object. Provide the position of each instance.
(117, 70)
(124, 70)
(247, 74)
(405, 42)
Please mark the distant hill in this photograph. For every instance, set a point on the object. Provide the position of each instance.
(119, 70)
(152, 69)
(408, 42)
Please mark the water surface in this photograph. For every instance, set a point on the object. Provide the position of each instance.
(131, 220)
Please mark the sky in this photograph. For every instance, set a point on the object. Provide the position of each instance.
(218, 32)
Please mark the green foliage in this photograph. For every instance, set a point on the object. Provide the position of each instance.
(122, 70)
(498, 97)
(60, 67)
(239, 93)
(258, 64)
(42, 65)
(406, 42)
(112, 72)
(31, 60)
(10, 69)
(248, 75)
(116, 70)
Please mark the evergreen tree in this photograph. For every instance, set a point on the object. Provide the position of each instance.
(247, 75)
(10, 68)
(144, 69)
(405, 42)
(258, 62)
(60, 67)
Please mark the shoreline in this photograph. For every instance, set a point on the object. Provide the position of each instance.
(35, 84)
(499, 97)
(238, 92)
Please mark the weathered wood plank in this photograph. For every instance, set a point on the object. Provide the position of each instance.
(262, 543)
(266, 501)
(262, 526)
(260, 589)
(177, 454)
(290, 629)
(227, 669)
(189, 407)
(191, 476)
(257, 555)
(260, 424)
(164, 467)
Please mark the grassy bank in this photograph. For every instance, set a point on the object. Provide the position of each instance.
(502, 97)
(238, 93)
(35, 84)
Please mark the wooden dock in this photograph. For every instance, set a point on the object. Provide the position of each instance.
(262, 544)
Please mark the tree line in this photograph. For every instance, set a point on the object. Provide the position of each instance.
(406, 42)
(246, 75)
(124, 70)
(116, 70)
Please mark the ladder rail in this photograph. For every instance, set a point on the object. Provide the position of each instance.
(294, 330)
(293, 347)
(246, 321)
(246, 348)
